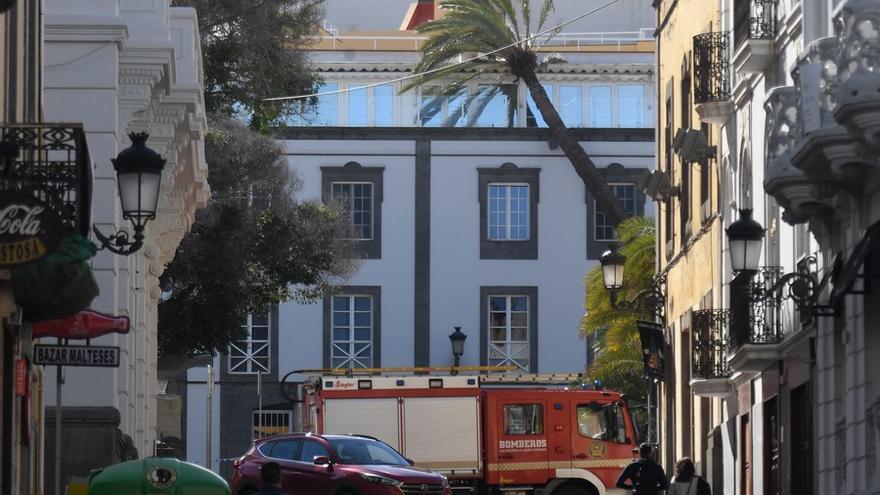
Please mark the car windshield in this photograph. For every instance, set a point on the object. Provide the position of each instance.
(365, 451)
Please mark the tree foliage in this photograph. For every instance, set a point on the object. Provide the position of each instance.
(252, 49)
(489, 26)
(619, 363)
(252, 247)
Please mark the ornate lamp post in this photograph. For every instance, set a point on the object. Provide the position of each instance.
(457, 339)
(138, 175)
(652, 299)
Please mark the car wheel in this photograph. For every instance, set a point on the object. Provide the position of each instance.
(574, 489)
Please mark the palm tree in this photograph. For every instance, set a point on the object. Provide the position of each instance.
(485, 26)
(619, 363)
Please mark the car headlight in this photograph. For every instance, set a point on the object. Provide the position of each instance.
(374, 478)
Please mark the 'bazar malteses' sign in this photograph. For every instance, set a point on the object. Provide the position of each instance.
(76, 355)
(29, 229)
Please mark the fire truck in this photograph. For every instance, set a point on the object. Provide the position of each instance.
(511, 434)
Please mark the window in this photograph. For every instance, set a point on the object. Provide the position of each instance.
(326, 112)
(493, 104)
(437, 110)
(282, 449)
(508, 197)
(361, 451)
(312, 449)
(508, 212)
(359, 190)
(358, 106)
(352, 345)
(267, 423)
(631, 105)
(621, 180)
(383, 105)
(533, 116)
(509, 331)
(356, 199)
(600, 106)
(626, 194)
(601, 422)
(571, 105)
(252, 353)
(524, 419)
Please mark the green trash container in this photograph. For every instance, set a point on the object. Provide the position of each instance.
(156, 476)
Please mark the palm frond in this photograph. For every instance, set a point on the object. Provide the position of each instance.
(546, 9)
(527, 18)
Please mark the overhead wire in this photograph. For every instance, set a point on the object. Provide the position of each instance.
(556, 28)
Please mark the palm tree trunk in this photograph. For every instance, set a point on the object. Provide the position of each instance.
(581, 162)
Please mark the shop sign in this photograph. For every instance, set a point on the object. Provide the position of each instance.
(21, 377)
(29, 229)
(653, 346)
(77, 355)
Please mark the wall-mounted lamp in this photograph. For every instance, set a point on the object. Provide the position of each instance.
(138, 176)
(652, 299)
(692, 145)
(457, 339)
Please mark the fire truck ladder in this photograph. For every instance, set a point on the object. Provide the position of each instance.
(531, 379)
(418, 370)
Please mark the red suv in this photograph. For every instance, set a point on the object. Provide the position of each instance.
(335, 465)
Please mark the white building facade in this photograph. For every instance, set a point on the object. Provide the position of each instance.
(119, 67)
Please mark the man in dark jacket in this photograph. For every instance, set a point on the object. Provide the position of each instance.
(270, 475)
(645, 475)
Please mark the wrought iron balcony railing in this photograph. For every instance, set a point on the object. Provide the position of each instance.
(709, 329)
(754, 19)
(711, 67)
(764, 317)
(50, 161)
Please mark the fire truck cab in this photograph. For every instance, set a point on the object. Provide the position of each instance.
(512, 434)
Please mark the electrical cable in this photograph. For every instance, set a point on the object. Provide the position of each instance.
(445, 67)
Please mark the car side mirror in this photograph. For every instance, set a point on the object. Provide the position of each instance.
(322, 460)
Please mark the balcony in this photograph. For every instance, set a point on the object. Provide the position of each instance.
(754, 343)
(754, 31)
(710, 373)
(712, 77)
(52, 163)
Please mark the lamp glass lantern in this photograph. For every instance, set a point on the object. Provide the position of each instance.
(138, 175)
(612, 268)
(745, 238)
(457, 339)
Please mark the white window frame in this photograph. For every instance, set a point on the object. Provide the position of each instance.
(274, 415)
(247, 348)
(352, 359)
(508, 212)
(351, 210)
(506, 348)
(596, 211)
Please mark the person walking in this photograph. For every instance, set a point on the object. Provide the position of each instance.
(645, 476)
(270, 475)
(686, 481)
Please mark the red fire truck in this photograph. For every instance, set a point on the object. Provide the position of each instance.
(516, 434)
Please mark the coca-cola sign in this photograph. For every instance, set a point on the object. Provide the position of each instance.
(29, 229)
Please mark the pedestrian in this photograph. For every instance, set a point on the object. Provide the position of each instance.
(686, 481)
(646, 477)
(270, 475)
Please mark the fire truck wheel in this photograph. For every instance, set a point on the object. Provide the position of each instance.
(575, 488)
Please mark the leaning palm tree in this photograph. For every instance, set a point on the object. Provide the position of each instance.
(505, 34)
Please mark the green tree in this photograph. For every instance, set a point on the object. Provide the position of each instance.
(252, 247)
(252, 49)
(619, 363)
(485, 26)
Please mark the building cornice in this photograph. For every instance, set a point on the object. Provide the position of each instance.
(459, 134)
(94, 29)
(574, 69)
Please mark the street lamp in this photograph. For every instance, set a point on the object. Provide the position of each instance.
(745, 237)
(457, 339)
(652, 299)
(138, 176)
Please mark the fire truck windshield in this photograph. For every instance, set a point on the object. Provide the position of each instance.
(363, 451)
